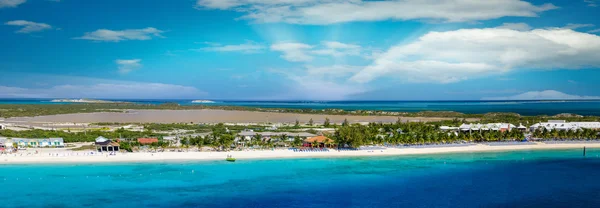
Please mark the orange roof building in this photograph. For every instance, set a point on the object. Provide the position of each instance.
(145, 141)
(319, 139)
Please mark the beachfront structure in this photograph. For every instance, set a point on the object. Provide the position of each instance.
(147, 141)
(6, 145)
(480, 127)
(321, 141)
(249, 135)
(33, 143)
(2, 126)
(563, 125)
(106, 145)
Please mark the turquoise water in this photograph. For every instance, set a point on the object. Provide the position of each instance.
(557, 178)
(589, 107)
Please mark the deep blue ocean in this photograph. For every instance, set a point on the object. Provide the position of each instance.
(589, 107)
(557, 178)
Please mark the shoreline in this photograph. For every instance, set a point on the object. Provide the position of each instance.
(78, 157)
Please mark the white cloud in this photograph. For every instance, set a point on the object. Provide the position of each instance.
(126, 66)
(11, 3)
(295, 52)
(516, 26)
(543, 95)
(120, 35)
(28, 26)
(249, 47)
(337, 49)
(300, 52)
(107, 90)
(321, 12)
(453, 56)
(576, 26)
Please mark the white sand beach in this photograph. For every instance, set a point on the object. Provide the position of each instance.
(49, 156)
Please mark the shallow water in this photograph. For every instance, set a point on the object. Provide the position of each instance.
(582, 107)
(556, 178)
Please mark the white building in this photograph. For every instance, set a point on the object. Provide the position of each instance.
(484, 127)
(249, 135)
(2, 126)
(35, 143)
(563, 125)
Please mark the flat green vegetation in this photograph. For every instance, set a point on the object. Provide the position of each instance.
(28, 110)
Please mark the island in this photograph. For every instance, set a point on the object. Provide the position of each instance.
(84, 101)
(203, 101)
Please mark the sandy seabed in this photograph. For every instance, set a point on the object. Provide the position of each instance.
(66, 156)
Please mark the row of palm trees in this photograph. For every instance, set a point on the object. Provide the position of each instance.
(415, 133)
(543, 133)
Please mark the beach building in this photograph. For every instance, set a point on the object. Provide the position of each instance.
(2, 126)
(563, 125)
(34, 143)
(133, 128)
(481, 127)
(449, 128)
(6, 145)
(321, 141)
(147, 141)
(249, 135)
(522, 128)
(106, 145)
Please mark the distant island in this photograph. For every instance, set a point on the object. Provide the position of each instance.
(84, 101)
(203, 101)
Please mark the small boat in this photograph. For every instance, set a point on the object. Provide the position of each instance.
(230, 158)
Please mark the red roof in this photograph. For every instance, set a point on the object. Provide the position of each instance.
(147, 140)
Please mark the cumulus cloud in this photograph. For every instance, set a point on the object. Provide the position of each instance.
(300, 52)
(452, 56)
(10, 3)
(126, 66)
(248, 47)
(121, 35)
(109, 90)
(28, 26)
(516, 26)
(295, 52)
(321, 12)
(544, 95)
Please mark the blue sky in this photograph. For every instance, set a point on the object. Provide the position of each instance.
(300, 49)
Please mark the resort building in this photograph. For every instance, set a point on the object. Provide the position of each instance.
(33, 143)
(481, 127)
(249, 135)
(563, 125)
(321, 141)
(106, 145)
(147, 141)
(6, 145)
